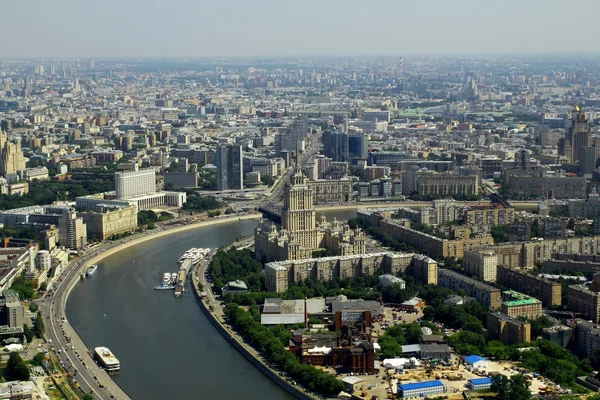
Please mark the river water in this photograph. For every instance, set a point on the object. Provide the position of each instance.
(167, 347)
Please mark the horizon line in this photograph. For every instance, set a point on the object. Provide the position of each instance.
(307, 56)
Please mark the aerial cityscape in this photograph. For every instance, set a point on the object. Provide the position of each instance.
(373, 221)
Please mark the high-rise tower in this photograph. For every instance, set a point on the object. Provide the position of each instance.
(578, 137)
(230, 173)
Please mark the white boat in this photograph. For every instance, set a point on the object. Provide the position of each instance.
(173, 278)
(107, 359)
(166, 278)
(194, 254)
(164, 287)
(91, 270)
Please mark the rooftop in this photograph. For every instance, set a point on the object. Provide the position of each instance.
(480, 381)
(473, 359)
(420, 385)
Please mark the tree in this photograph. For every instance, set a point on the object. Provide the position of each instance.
(428, 313)
(33, 307)
(413, 333)
(389, 347)
(500, 386)
(87, 397)
(538, 325)
(146, 216)
(38, 359)
(519, 388)
(466, 342)
(28, 333)
(500, 233)
(39, 325)
(16, 369)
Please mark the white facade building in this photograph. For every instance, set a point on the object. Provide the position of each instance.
(44, 260)
(389, 279)
(137, 183)
(482, 264)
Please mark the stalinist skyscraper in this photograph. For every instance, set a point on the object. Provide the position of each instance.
(11, 156)
(300, 234)
(578, 137)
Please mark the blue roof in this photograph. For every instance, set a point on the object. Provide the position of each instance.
(480, 381)
(473, 359)
(420, 385)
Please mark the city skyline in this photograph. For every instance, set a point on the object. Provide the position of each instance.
(311, 29)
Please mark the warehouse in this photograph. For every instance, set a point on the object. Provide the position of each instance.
(420, 389)
(476, 362)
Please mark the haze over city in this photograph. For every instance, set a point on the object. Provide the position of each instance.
(154, 28)
(299, 200)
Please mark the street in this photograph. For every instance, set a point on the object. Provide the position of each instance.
(68, 347)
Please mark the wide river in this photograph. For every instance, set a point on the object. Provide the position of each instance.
(167, 347)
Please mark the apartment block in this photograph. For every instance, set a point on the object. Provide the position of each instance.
(550, 293)
(280, 275)
(525, 255)
(482, 264)
(331, 190)
(587, 339)
(489, 214)
(582, 300)
(520, 305)
(487, 295)
(506, 329)
(431, 245)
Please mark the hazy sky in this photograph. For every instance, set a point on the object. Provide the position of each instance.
(148, 28)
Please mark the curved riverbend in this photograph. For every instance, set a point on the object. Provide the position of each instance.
(165, 344)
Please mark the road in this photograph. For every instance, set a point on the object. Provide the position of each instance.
(69, 348)
(63, 337)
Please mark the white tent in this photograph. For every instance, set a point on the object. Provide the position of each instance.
(13, 347)
(395, 362)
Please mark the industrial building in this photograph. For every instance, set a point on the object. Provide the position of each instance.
(480, 383)
(420, 389)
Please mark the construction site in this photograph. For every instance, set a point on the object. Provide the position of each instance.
(454, 376)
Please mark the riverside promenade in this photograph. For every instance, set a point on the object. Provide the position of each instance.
(213, 310)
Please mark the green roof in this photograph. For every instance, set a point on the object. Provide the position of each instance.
(521, 302)
(518, 299)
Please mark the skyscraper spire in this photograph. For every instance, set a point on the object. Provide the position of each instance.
(297, 157)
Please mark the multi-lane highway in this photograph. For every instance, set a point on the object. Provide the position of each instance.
(69, 348)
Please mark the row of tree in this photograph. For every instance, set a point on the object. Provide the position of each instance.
(201, 203)
(271, 347)
(233, 264)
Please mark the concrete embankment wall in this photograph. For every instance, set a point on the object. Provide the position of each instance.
(131, 242)
(143, 238)
(249, 356)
